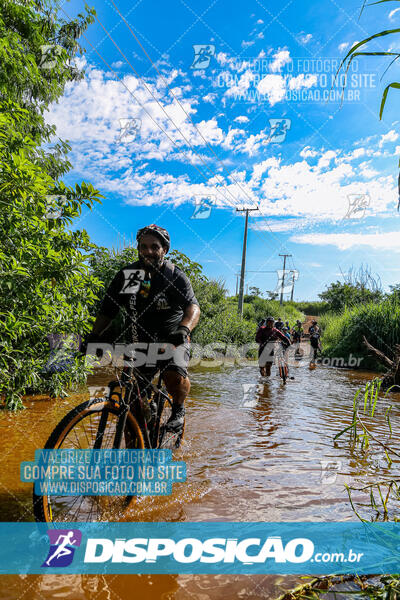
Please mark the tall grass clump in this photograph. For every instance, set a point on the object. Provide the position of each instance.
(379, 323)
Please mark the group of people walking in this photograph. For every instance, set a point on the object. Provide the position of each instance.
(271, 331)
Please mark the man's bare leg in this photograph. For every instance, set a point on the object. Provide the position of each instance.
(178, 386)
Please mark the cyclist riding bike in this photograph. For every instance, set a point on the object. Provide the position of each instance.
(158, 300)
(266, 337)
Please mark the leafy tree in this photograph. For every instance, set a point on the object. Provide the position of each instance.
(255, 291)
(272, 295)
(394, 294)
(342, 294)
(45, 285)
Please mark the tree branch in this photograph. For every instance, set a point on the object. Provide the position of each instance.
(382, 357)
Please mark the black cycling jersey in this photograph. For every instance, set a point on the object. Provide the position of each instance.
(315, 334)
(161, 298)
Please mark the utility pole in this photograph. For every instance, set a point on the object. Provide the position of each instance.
(242, 272)
(291, 295)
(283, 275)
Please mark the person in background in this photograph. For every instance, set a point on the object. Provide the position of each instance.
(279, 324)
(297, 332)
(266, 337)
(315, 335)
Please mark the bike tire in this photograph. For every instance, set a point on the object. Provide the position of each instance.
(57, 508)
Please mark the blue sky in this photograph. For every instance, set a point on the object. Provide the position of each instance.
(160, 137)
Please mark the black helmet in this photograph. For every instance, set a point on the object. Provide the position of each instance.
(270, 319)
(160, 232)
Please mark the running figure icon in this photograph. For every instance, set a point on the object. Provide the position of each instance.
(62, 542)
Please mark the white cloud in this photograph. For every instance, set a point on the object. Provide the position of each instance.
(88, 115)
(118, 64)
(222, 58)
(274, 87)
(365, 170)
(305, 38)
(241, 119)
(281, 59)
(260, 22)
(326, 158)
(260, 168)
(391, 136)
(295, 83)
(252, 143)
(210, 98)
(281, 225)
(320, 191)
(245, 44)
(307, 152)
(393, 12)
(342, 47)
(242, 85)
(356, 153)
(230, 142)
(343, 241)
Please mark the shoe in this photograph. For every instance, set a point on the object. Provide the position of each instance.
(177, 419)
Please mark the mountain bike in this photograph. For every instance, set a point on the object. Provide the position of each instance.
(125, 418)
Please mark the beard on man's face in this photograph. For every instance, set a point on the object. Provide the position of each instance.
(152, 262)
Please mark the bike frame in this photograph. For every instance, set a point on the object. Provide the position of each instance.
(130, 400)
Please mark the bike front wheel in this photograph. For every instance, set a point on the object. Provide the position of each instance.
(78, 430)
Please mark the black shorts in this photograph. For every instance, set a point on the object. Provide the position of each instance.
(177, 359)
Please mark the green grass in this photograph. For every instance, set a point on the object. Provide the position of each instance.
(343, 333)
(314, 308)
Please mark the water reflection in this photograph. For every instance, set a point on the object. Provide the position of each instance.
(256, 450)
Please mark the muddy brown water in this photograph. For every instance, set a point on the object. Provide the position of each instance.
(263, 453)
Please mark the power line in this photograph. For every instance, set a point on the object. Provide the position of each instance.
(169, 118)
(179, 102)
(182, 107)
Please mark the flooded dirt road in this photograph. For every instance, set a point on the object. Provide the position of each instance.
(256, 450)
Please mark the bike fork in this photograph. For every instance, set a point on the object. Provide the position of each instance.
(120, 427)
